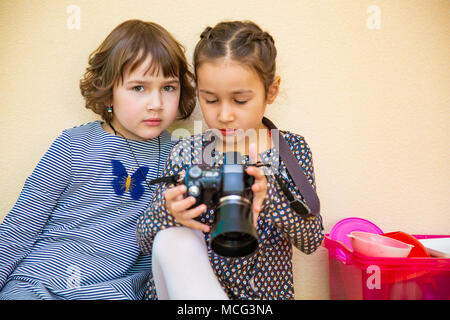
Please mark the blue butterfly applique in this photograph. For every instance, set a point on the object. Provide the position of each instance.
(124, 182)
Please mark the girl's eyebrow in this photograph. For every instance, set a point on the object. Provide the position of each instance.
(233, 92)
(172, 81)
(206, 91)
(140, 81)
(242, 91)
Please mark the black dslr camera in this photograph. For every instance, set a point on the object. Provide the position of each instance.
(228, 190)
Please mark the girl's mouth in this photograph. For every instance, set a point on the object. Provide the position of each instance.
(152, 122)
(227, 132)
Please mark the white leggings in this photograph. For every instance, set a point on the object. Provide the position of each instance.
(181, 267)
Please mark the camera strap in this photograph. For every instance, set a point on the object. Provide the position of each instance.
(312, 205)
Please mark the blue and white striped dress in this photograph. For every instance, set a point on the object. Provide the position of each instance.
(72, 232)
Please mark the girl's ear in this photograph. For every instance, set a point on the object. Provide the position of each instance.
(274, 88)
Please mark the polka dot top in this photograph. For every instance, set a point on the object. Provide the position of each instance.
(267, 273)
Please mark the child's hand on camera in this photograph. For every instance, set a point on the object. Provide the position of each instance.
(178, 207)
(259, 187)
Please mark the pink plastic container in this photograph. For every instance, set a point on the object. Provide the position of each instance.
(357, 277)
(376, 245)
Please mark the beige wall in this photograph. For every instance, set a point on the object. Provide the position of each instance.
(372, 103)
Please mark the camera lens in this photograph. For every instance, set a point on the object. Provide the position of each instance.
(234, 234)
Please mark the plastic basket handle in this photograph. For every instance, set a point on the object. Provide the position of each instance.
(341, 252)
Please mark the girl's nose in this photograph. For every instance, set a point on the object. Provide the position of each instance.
(226, 114)
(155, 101)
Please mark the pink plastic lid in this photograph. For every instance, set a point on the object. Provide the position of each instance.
(344, 227)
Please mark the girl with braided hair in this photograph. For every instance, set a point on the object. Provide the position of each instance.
(235, 74)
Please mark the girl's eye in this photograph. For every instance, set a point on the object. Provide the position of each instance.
(210, 101)
(169, 88)
(138, 88)
(240, 101)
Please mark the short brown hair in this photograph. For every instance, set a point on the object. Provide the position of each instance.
(243, 41)
(127, 47)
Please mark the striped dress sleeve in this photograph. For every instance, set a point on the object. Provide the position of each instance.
(34, 206)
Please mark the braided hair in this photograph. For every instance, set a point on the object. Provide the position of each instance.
(242, 41)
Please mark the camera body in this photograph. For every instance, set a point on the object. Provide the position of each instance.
(228, 190)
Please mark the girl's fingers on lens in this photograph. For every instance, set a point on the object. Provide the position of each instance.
(186, 218)
(173, 193)
(259, 189)
(257, 173)
(195, 212)
(255, 218)
(184, 204)
(197, 225)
